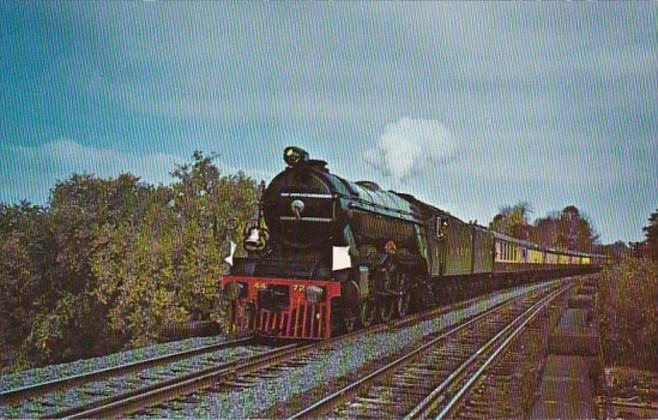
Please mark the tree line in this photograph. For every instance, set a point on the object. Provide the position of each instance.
(573, 230)
(567, 229)
(107, 262)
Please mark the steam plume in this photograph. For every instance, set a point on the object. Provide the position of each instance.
(411, 147)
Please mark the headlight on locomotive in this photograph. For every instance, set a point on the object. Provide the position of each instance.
(315, 294)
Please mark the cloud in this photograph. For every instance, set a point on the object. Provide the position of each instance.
(36, 169)
(410, 147)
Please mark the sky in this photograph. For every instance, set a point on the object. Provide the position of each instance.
(467, 106)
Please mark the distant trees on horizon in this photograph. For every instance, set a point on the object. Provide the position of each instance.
(567, 229)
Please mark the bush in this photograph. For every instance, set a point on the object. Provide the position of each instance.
(627, 305)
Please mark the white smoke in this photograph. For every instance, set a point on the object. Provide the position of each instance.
(411, 147)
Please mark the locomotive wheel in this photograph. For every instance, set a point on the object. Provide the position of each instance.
(403, 301)
(367, 313)
(386, 308)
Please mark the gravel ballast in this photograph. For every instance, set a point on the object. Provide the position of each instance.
(55, 401)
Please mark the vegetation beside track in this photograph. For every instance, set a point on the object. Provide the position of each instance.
(627, 306)
(107, 263)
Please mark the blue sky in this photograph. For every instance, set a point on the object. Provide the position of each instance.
(467, 106)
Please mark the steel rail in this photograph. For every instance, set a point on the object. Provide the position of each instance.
(620, 402)
(329, 402)
(135, 400)
(425, 408)
(23, 393)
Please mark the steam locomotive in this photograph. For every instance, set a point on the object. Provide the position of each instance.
(329, 255)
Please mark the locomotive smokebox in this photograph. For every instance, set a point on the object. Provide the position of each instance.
(299, 203)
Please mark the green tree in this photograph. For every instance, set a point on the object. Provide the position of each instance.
(213, 209)
(166, 269)
(513, 220)
(25, 276)
(110, 261)
(73, 322)
(143, 291)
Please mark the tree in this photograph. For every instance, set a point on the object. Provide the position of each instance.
(25, 276)
(627, 293)
(108, 262)
(166, 268)
(82, 209)
(640, 249)
(568, 229)
(651, 232)
(575, 230)
(545, 230)
(513, 220)
(213, 209)
(617, 251)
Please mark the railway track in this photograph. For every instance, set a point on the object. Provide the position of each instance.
(220, 377)
(224, 376)
(432, 378)
(22, 393)
(36, 395)
(140, 398)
